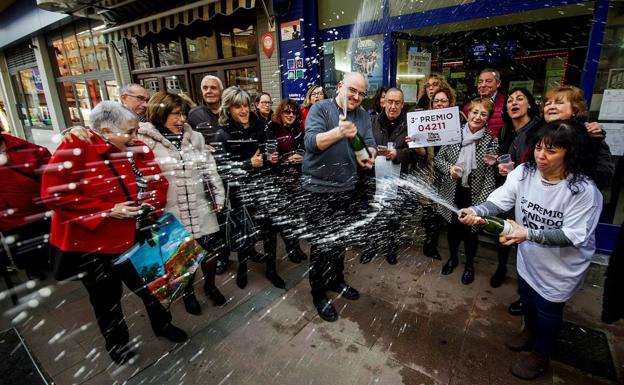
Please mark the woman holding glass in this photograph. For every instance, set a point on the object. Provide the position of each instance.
(466, 178)
(286, 131)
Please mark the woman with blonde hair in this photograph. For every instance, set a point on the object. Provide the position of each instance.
(313, 95)
(243, 136)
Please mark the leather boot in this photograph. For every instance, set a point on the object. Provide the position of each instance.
(449, 266)
(241, 275)
(522, 341)
(191, 304)
(530, 367)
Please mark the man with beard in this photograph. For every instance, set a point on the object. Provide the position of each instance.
(329, 176)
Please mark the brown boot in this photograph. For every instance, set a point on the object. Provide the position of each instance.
(530, 366)
(522, 342)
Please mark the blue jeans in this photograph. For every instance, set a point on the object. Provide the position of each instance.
(541, 316)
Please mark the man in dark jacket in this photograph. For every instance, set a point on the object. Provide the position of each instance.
(389, 131)
(208, 113)
(329, 176)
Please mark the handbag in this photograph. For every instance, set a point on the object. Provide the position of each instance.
(241, 231)
(165, 261)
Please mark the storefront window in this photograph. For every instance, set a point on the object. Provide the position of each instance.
(365, 55)
(202, 49)
(32, 103)
(112, 89)
(72, 54)
(245, 78)
(169, 53)
(61, 62)
(87, 51)
(141, 55)
(150, 84)
(70, 97)
(239, 42)
(175, 84)
(101, 52)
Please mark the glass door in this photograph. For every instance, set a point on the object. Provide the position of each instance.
(413, 59)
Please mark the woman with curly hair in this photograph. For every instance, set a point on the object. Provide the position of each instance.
(557, 206)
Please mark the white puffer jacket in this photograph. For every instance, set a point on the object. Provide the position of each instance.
(186, 171)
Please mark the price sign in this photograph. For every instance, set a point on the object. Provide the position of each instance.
(434, 127)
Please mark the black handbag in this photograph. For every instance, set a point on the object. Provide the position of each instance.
(241, 231)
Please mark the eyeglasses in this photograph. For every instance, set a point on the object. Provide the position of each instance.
(440, 100)
(141, 98)
(269, 103)
(353, 91)
(393, 102)
(179, 114)
(288, 112)
(434, 84)
(317, 93)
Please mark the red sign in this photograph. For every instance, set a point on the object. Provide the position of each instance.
(268, 44)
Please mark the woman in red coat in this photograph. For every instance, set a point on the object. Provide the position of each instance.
(96, 191)
(24, 222)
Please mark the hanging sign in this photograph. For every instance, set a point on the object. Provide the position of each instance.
(268, 44)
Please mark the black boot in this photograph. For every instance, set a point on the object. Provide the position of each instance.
(191, 304)
(271, 273)
(241, 275)
(215, 295)
(498, 277)
(392, 254)
(121, 354)
(172, 333)
(468, 276)
(449, 266)
(293, 250)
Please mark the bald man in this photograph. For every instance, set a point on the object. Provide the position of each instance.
(329, 175)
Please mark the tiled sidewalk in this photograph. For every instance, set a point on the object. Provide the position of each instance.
(410, 326)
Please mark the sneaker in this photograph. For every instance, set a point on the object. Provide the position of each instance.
(530, 367)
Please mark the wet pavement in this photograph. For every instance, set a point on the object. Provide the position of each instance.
(410, 326)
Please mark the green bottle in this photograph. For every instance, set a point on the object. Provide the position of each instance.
(495, 225)
(358, 145)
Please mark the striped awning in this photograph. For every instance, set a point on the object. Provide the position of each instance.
(169, 20)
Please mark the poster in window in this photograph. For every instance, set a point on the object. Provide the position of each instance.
(291, 30)
(367, 60)
(616, 78)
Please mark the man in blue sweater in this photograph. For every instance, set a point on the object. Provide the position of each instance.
(329, 176)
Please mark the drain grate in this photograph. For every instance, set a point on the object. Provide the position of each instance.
(585, 349)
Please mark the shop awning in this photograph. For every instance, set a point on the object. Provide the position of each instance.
(202, 10)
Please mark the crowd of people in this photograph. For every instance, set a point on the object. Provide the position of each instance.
(307, 173)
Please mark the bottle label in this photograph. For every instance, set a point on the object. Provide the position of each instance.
(362, 155)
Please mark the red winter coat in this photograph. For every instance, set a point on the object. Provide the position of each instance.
(20, 201)
(496, 123)
(81, 190)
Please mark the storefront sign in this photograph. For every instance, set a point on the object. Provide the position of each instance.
(268, 44)
(434, 127)
(418, 63)
(367, 60)
(458, 75)
(612, 107)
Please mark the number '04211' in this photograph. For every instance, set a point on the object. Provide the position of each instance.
(432, 126)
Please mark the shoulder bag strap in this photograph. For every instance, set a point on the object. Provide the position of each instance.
(123, 186)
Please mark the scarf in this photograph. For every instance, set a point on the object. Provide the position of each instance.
(467, 154)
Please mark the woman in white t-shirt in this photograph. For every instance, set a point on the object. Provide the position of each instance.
(557, 206)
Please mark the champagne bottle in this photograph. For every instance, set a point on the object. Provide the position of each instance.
(358, 145)
(496, 226)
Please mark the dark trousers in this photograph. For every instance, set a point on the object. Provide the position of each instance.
(541, 316)
(328, 218)
(217, 240)
(458, 232)
(104, 285)
(383, 235)
(268, 235)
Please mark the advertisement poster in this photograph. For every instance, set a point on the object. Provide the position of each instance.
(612, 106)
(291, 30)
(367, 60)
(418, 63)
(434, 127)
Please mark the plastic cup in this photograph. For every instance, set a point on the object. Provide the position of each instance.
(459, 169)
(504, 161)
